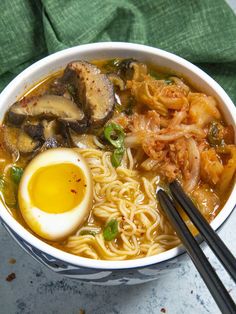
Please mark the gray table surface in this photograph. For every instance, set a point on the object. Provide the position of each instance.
(37, 290)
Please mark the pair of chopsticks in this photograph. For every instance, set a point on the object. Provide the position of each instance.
(207, 272)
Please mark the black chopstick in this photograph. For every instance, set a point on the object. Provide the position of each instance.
(212, 238)
(208, 274)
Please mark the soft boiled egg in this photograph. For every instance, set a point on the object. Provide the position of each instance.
(56, 193)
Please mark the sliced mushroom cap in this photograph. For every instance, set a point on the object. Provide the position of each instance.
(50, 128)
(116, 80)
(15, 118)
(53, 142)
(131, 69)
(48, 107)
(64, 84)
(27, 145)
(95, 92)
(10, 136)
(125, 70)
(16, 140)
(51, 133)
(81, 140)
(34, 130)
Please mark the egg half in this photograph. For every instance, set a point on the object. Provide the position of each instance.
(56, 193)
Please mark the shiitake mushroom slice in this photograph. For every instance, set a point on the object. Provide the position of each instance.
(34, 129)
(116, 80)
(48, 107)
(95, 93)
(16, 140)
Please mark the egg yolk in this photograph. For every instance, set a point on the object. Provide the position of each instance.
(57, 188)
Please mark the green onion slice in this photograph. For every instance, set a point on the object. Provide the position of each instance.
(8, 192)
(117, 157)
(110, 231)
(16, 174)
(88, 232)
(114, 134)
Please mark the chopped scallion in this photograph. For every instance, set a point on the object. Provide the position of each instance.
(16, 174)
(87, 232)
(117, 156)
(110, 231)
(114, 134)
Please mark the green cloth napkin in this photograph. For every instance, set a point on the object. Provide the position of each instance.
(201, 31)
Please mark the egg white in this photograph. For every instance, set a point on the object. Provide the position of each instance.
(53, 226)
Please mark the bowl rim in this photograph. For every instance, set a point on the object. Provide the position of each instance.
(105, 264)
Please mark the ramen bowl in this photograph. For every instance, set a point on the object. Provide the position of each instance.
(102, 272)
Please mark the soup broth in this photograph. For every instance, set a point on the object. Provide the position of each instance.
(137, 129)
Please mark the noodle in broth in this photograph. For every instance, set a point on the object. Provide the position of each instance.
(129, 197)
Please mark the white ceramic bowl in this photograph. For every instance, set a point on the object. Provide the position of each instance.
(98, 271)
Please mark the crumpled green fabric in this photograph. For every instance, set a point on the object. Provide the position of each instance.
(203, 32)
